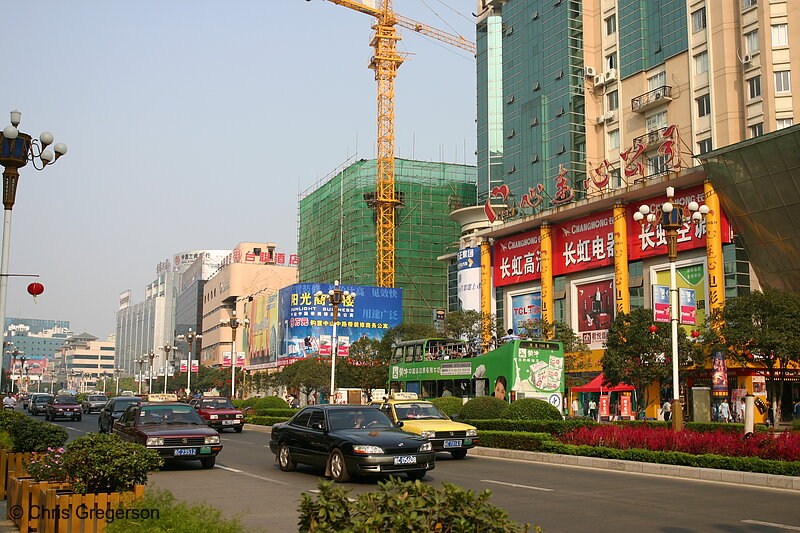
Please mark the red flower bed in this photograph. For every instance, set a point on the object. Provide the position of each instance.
(782, 446)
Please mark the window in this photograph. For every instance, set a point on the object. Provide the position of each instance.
(748, 3)
(613, 100)
(657, 121)
(699, 20)
(784, 123)
(782, 81)
(756, 130)
(701, 63)
(657, 165)
(611, 25)
(616, 178)
(656, 81)
(703, 105)
(611, 61)
(780, 35)
(751, 42)
(613, 140)
(754, 87)
(704, 146)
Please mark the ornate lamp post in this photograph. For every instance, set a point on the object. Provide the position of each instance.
(13, 354)
(22, 369)
(167, 348)
(16, 150)
(139, 362)
(117, 373)
(189, 338)
(151, 355)
(234, 323)
(335, 297)
(672, 218)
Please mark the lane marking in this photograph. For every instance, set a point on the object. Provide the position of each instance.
(242, 472)
(772, 524)
(229, 469)
(515, 485)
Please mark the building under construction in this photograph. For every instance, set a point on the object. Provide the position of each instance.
(337, 229)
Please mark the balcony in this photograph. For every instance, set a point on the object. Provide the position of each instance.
(651, 99)
(651, 138)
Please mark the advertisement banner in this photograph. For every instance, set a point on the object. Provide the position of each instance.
(195, 366)
(184, 367)
(604, 405)
(539, 374)
(661, 307)
(525, 307)
(307, 319)
(595, 307)
(226, 359)
(625, 406)
(516, 259)
(719, 375)
(240, 359)
(648, 241)
(759, 386)
(263, 341)
(583, 243)
(469, 278)
(688, 306)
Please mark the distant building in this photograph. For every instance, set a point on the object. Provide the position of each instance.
(82, 361)
(36, 340)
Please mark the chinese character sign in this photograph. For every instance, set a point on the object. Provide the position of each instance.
(469, 278)
(516, 259)
(583, 243)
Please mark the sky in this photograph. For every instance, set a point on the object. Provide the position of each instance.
(196, 125)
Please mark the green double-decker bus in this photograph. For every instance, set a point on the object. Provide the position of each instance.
(520, 368)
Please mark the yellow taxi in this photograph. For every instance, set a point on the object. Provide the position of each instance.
(427, 420)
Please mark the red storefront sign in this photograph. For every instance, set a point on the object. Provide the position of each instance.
(583, 243)
(516, 259)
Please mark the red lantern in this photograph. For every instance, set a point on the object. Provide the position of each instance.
(35, 289)
(695, 333)
(653, 328)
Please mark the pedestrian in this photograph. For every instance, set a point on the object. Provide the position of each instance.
(667, 410)
(446, 392)
(724, 411)
(575, 406)
(511, 336)
(592, 409)
(740, 409)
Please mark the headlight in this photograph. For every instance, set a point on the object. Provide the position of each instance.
(370, 450)
(155, 441)
(213, 417)
(212, 439)
(239, 415)
(472, 433)
(426, 447)
(428, 434)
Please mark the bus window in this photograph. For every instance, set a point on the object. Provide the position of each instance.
(442, 385)
(481, 386)
(412, 386)
(429, 389)
(395, 386)
(417, 350)
(398, 355)
(462, 388)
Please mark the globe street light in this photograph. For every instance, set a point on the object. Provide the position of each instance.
(140, 362)
(167, 348)
(117, 372)
(673, 217)
(233, 323)
(189, 338)
(16, 150)
(335, 297)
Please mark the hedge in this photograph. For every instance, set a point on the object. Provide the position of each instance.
(265, 420)
(449, 405)
(286, 413)
(483, 407)
(553, 427)
(700, 427)
(531, 409)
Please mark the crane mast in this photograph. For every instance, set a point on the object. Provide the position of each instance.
(385, 62)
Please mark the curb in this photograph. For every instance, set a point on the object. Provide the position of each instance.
(751, 479)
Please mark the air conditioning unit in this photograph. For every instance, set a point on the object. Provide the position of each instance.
(610, 75)
(600, 119)
(590, 72)
(599, 81)
(609, 117)
(747, 58)
(659, 94)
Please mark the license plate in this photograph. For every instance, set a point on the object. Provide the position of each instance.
(228, 422)
(205, 449)
(452, 444)
(406, 460)
(185, 451)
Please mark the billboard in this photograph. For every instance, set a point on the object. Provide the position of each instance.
(595, 307)
(516, 259)
(469, 278)
(263, 334)
(525, 307)
(583, 243)
(306, 320)
(691, 284)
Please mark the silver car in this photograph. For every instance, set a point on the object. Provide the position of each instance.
(94, 402)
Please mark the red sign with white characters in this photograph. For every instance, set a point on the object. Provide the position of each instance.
(516, 259)
(650, 240)
(583, 243)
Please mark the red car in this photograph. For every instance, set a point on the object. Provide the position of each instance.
(219, 413)
(63, 406)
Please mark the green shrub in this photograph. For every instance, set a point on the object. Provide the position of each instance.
(288, 413)
(265, 420)
(101, 462)
(29, 434)
(482, 408)
(159, 511)
(6, 442)
(531, 409)
(449, 405)
(796, 424)
(401, 506)
(514, 440)
(270, 402)
(553, 427)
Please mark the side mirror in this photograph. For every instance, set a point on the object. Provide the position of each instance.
(399, 424)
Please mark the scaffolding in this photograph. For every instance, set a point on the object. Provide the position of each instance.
(337, 229)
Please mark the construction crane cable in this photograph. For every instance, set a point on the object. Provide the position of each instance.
(457, 12)
(440, 18)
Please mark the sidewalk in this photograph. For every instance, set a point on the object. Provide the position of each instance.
(6, 525)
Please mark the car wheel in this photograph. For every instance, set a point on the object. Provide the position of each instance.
(285, 458)
(338, 467)
(458, 454)
(416, 474)
(208, 462)
(239, 429)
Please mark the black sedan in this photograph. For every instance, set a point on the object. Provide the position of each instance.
(113, 410)
(38, 403)
(350, 440)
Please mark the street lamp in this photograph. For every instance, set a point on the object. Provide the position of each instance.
(233, 323)
(117, 372)
(189, 338)
(335, 297)
(151, 355)
(13, 354)
(16, 150)
(167, 348)
(139, 362)
(673, 217)
(21, 373)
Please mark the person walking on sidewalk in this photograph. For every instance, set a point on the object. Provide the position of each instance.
(667, 410)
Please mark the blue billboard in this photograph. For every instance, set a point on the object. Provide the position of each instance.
(307, 320)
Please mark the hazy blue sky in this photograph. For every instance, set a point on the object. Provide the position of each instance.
(194, 125)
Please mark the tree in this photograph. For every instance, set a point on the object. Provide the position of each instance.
(762, 329)
(467, 325)
(638, 356)
(307, 375)
(365, 369)
(577, 354)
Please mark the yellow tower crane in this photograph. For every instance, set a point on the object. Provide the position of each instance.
(385, 62)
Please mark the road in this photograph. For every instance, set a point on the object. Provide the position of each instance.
(563, 499)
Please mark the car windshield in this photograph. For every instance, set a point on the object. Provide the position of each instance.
(121, 405)
(41, 399)
(364, 418)
(63, 401)
(418, 411)
(168, 414)
(97, 398)
(217, 403)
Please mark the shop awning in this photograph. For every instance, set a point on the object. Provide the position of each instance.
(596, 385)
